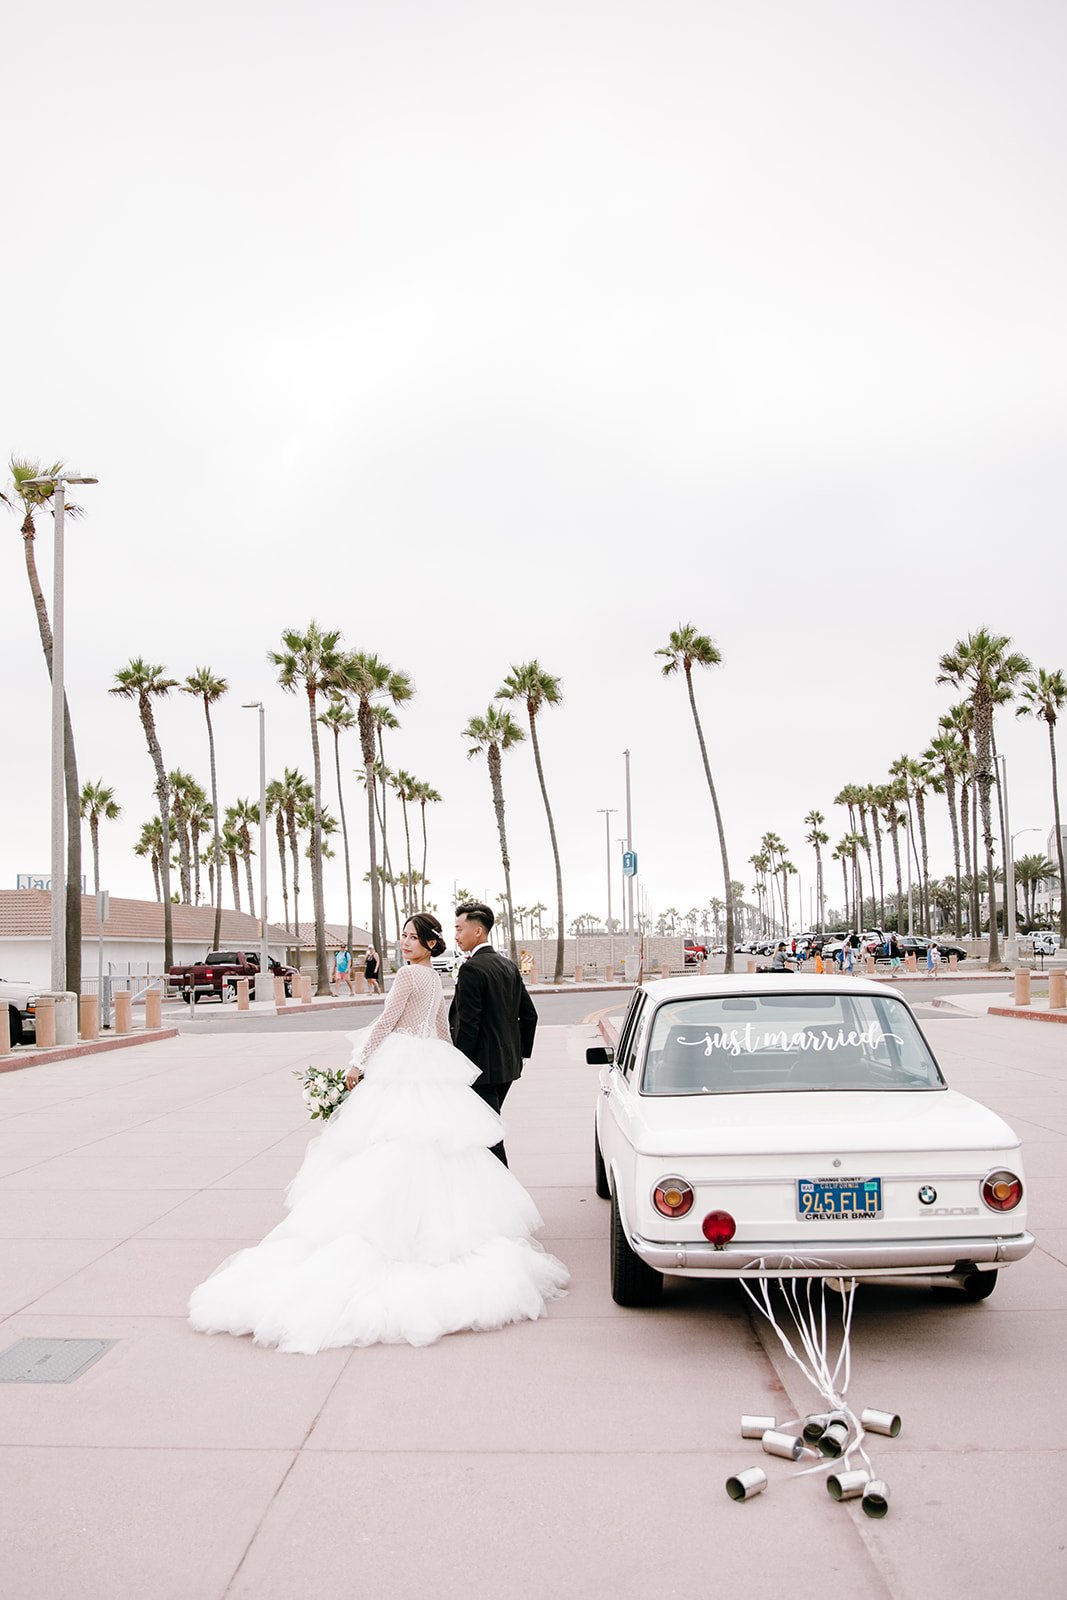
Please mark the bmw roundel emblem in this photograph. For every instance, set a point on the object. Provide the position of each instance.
(927, 1194)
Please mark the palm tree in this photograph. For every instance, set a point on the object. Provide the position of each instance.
(946, 758)
(368, 679)
(239, 818)
(26, 498)
(426, 795)
(984, 664)
(1042, 695)
(311, 661)
(285, 796)
(209, 687)
(1030, 871)
(892, 793)
(384, 717)
(494, 733)
(686, 649)
(150, 844)
(876, 799)
(144, 681)
(843, 852)
(817, 838)
(537, 688)
(97, 802)
(338, 717)
(183, 788)
(404, 785)
(199, 820)
(231, 849)
(959, 719)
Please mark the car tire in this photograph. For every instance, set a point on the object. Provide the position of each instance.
(14, 1026)
(979, 1285)
(600, 1172)
(633, 1282)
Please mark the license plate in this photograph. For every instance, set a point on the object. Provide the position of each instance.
(839, 1199)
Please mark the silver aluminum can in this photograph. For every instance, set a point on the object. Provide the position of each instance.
(834, 1438)
(814, 1428)
(783, 1444)
(876, 1498)
(745, 1485)
(756, 1427)
(848, 1485)
(886, 1422)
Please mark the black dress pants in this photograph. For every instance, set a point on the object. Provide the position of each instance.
(494, 1094)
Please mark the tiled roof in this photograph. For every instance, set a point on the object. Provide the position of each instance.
(336, 934)
(26, 914)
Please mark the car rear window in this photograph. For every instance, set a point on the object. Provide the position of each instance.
(222, 958)
(748, 1044)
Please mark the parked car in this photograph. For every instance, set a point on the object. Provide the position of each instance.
(446, 961)
(768, 1126)
(19, 996)
(694, 951)
(1043, 944)
(914, 945)
(216, 976)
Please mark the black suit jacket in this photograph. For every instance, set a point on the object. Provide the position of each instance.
(492, 1018)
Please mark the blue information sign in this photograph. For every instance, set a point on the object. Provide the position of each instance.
(629, 863)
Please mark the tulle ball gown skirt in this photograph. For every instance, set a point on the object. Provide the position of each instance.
(402, 1226)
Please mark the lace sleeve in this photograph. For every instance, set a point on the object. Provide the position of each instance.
(395, 1001)
(443, 1030)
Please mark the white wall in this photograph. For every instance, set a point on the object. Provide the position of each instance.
(32, 958)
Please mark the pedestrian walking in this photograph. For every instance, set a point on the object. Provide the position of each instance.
(342, 969)
(372, 967)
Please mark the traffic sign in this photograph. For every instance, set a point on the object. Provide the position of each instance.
(629, 863)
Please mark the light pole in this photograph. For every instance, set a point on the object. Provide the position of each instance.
(59, 864)
(607, 814)
(264, 944)
(1010, 865)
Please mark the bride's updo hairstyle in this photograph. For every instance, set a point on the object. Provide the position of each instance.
(428, 932)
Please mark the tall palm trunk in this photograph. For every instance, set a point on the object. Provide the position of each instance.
(73, 901)
(344, 832)
(894, 833)
(294, 850)
(387, 877)
(279, 828)
(920, 811)
(965, 842)
(148, 722)
(410, 896)
(976, 901)
(246, 857)
(844, 879)
(818, 884)
(1059, 833)
(94, 835)
(366, 739)
(558, 978)
(155, 875)
(235, 880)
(195, 841)
(497, 781)
(215, 836)
(729, 888)
(950, 795)
(422, 897)
(321, 969)
(876, 826)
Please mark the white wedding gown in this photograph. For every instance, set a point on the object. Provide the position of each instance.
(402, 1225)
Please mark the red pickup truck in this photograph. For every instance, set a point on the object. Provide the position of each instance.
(219, 971)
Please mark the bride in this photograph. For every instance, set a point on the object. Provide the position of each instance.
(402, 1226)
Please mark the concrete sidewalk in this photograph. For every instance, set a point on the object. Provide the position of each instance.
(583, 1455)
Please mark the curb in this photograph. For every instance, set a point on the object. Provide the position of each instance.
(87, 1047)
(1027, 1015)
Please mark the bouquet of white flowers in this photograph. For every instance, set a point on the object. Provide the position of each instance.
(323, 1090)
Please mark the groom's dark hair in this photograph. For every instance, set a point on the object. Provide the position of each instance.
(476, 912)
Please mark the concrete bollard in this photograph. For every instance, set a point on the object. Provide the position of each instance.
(751, 967)
(665, 970)
(242, 994)
(88, 1016)
(1022, 987)
(953, 962)
(46, 1021)
(123, 1011)
(1057, 991)
(279, 991)
(5, 1034)
(305, 988)
(360, 983)
(911, 962)
(579, 974)
(153, 1009)
(868, 965)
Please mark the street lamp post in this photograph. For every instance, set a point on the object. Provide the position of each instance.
(607, 814)
(264, 943)
(59, 863)
(629, 846)
(1009, 868)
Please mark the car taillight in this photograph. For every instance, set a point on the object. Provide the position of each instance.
(718, 1228)
(1002, 1191)
(672, 1197)
(208, 972)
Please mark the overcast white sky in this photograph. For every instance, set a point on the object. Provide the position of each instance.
(484, 331)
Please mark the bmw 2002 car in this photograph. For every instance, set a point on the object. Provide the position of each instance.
(753, 1127)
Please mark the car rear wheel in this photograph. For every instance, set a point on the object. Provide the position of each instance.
(633, 1281)
(15, 1025)
(979, 1285)
(603, 1187)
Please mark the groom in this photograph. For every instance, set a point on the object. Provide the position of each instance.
(492, 1018)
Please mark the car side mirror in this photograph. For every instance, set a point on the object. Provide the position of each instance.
(600, 1055)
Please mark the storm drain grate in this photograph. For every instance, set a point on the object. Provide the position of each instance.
(50, 1360)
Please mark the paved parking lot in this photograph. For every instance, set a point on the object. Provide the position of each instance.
(584, 1455)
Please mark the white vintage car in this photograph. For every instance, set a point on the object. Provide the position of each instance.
(795, 1126)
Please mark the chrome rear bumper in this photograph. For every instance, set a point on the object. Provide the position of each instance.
(847, 1257)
